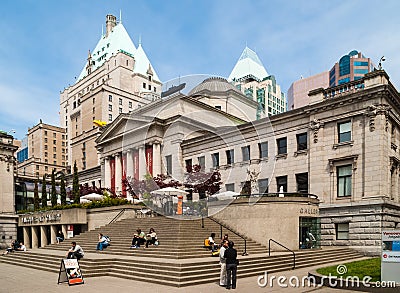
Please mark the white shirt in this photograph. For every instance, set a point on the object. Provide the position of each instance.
(22, 248)
(222, 259)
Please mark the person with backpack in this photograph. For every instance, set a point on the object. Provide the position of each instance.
(102, 243)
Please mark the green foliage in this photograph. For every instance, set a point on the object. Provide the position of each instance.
(44, 192)
(53, 189)
(75, 185)
(63, 191)
(36, 200)
(369, 267)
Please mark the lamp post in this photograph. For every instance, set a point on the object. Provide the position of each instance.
(380, 62)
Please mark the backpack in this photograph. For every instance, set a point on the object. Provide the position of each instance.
(107, 238)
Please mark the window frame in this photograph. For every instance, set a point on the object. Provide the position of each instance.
(283, 147)
(262, 152)
(346, 178)
(215, 160)
(342, 228)
(342, 135)
(300, 145)
(246, 153)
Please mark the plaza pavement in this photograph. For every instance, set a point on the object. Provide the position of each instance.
(20, 279)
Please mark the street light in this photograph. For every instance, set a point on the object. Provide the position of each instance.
(380, 62)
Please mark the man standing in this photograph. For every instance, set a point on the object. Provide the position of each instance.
(222, 262)
(231, 266)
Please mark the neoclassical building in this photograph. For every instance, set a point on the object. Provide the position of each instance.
(343, 147)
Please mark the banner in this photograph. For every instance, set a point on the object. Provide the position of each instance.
(136, 164)
(70, 272)
(149, 159)
(112, 171)
(123, 162)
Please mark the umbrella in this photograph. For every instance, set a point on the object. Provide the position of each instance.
(93, 196)
(83, 200)
(225, 195)
(169, 191)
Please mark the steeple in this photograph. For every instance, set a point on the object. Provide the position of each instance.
(142, 63)
(248, 66)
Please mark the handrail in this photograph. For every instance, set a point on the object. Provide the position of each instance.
(278, 194)
(269, 250)
(227, 228)
(117, 216)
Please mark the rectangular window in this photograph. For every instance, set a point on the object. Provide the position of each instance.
(45, 132)
(263, 149)
(302, 182)
(301, 141)
(144, 85)
(109, 107)
(54, 156)
(344, 185)
(342, 231)
(110, 98)
(54, 141)
(45, 154)
(188, 164)
(230, 157)
(215, 160)
(54, 135)
(202, 163)
(120, 101)
(168, 163)
(94, 100)
(230, 187)
(282, 145)
(344, 130)
(54, 149)
(281, 183)
(246, 153)
(45, 140)
(120, 110)
(109, 117)
(46, 168)
(45, 147)
(263, 186)
(149, 87)
(37, 167)
(130, 105)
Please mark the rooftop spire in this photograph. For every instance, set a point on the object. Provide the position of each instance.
(248, 65)
(120, 16)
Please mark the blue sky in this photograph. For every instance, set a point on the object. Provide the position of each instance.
(44, 44)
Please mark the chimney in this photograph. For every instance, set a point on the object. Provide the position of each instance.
(111, 22)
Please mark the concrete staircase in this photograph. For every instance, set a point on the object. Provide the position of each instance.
(180, 259)
(179, 239)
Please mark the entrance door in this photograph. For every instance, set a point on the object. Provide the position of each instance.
(309, 233)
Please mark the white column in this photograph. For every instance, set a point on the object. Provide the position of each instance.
(107, 173)
(43, 236)
(142, 163)
(118, 174)
(35, 236)
(156, 158)
(53, 234)
(27, 240)
(129, 163)
(64, 230)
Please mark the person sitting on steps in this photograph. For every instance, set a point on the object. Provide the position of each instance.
(75, 251)
(151, 237)
(102, 243)
(211, 241)
(138, 238)
(60, 236)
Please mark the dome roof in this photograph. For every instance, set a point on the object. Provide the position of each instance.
(213, 84)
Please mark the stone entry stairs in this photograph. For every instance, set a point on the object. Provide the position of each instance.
(176, 262)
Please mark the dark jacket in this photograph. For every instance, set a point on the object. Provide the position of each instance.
(230, 255)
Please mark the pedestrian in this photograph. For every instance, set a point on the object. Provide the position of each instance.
(222, 262)
(102, 243)
(60, 237)
(75, 251)
(231, 266)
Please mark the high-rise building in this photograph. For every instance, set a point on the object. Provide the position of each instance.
(252, 79)
(43, 150)
(117, 78)
(350, 67)
(297, 94)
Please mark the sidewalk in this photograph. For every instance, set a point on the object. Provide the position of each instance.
(20, 279)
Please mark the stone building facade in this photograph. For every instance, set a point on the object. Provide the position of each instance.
(342, 147)
(8, 218)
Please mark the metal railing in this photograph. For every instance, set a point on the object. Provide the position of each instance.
(117, 216)
(229, 229)
(278, 194)
(269, 250)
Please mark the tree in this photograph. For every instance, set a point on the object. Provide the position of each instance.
(44, 192)
(63, 191)
(205, 184)
(53, 189)
(75, 185)
(36, 201)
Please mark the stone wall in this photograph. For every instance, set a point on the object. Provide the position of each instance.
(366, 222)
(269, 218)
(8, 230)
